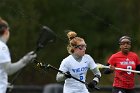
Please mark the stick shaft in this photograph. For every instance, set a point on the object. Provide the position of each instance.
(127, 70)
(64, 73)
(52, 67)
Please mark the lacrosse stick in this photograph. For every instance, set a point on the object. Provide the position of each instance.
(47, 66)
(46, 36)
(116, 68)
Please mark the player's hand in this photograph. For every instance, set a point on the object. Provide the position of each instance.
(29, 57)
(67, 74)
(92, 84)
(112, 67)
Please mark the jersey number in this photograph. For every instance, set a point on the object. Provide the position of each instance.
(130, 68)
(81, 77)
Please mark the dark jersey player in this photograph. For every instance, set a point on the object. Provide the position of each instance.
(123, 81)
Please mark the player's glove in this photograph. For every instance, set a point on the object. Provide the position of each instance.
(108, 70)
(92, 84)
(28, 57)
(67, 74)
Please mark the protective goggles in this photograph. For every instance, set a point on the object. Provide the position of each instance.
(81, 47)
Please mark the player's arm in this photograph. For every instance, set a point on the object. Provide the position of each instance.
(110, 63)
(96, 72)
(138, 68)
(97, 76)
(66, 74)
(108, 70)
(138, 64)
(60, 77)
(11, 68)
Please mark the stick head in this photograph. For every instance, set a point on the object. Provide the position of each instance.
(46, 36)
(41, 65)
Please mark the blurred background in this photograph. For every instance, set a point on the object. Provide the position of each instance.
(100, 22)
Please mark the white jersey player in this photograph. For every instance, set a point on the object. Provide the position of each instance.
(77, 65)
(6, 67)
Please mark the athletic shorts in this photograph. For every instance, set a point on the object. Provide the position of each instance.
(122, 90)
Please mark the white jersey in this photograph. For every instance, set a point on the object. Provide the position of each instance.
(4, 57)
(78, 70)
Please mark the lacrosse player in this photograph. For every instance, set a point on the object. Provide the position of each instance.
(6, 67)
(77, 65)
(123, 81)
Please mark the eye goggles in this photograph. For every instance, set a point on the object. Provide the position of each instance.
(81, 46)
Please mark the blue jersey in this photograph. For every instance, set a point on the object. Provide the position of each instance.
(78, 70)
